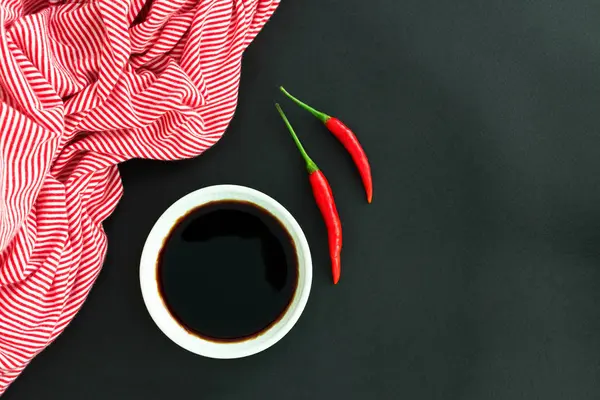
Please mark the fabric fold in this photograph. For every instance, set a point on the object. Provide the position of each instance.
(83, 87)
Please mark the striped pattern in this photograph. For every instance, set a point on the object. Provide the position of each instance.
(85, 85)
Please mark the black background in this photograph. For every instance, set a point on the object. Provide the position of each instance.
(475, 273)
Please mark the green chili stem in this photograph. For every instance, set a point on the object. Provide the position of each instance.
(310, 165)
(322, 116)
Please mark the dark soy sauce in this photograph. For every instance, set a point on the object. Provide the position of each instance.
(228, 271)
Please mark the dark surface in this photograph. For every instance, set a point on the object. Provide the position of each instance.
(228, 271)
(475, 273)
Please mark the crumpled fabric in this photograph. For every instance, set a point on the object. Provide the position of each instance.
(85, 85)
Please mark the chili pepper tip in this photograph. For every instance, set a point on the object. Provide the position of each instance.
(349, 140)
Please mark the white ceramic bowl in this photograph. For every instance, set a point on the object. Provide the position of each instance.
(156, 307)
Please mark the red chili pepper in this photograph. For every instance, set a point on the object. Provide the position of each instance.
(324, 198)
(348, 140)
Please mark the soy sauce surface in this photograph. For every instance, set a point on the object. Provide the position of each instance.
(228, 271)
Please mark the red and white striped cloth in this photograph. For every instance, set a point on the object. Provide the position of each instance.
(85, 85)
